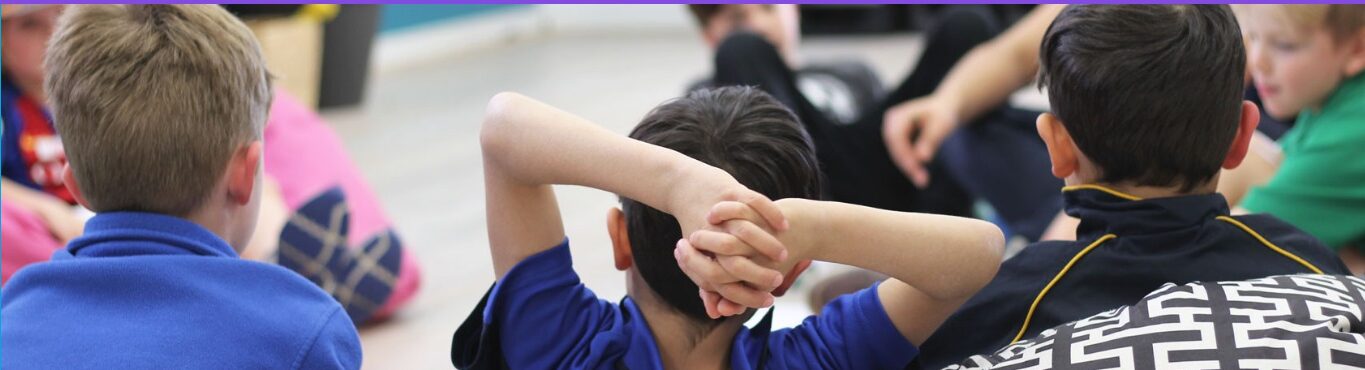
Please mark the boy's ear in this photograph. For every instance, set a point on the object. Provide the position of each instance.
(620, 239)
(71, 186)
(1355, 54)
(1060, 148)
(242, 172)
(790, 277)
(1246, 128)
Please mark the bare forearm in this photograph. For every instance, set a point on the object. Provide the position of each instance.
(529, 146)
(536, 144)
(945, 257)
(25, 197)
(987, 76)
(935, 262)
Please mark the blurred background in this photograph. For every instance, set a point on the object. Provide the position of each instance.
(399, 92)
(384, 103)
(405, 85)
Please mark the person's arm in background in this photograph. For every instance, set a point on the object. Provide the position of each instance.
(1256, 170)
(60, 217)
(529, 146)
(935, 262)
(984, 79)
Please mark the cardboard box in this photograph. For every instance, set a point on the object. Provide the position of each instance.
(293, 52)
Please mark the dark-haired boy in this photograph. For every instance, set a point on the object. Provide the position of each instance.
(1146, 109)
(707, 149)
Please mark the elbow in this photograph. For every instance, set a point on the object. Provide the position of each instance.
(990, 254)
(496, 134)
(977, 266)
(992, 245)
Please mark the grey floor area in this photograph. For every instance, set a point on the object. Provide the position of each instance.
(415, 139)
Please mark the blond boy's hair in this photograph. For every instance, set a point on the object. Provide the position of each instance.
(1342, 21)
(151, 101)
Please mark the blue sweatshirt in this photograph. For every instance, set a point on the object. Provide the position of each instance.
(148, 291)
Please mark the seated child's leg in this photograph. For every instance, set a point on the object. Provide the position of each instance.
(307, 159)
(853, 157)
(747, 59)
(1002, 160)
(314, 244)
(960, 29)
(854, 163)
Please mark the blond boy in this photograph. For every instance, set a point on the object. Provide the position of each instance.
(161, 109)
(1306, 62)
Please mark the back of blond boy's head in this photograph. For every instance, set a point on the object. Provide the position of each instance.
(151, 101)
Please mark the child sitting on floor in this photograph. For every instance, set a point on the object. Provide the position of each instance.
(1307, 62)
(1146, 108)
(687, 156)
(161, 110)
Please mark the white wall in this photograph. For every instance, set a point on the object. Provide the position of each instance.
(618, 18)
(424, 43)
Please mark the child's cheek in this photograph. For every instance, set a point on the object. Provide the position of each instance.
(23, 57)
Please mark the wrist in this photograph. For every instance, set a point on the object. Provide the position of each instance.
(951, 103)
(805, 237)
(674, 178)
(692, 186)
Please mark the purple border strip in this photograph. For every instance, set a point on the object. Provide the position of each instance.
(707, 2)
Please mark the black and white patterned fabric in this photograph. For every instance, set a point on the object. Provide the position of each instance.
(1281, 322)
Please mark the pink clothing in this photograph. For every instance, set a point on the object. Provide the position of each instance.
(306, 158)
(25, 239)
(303, 155)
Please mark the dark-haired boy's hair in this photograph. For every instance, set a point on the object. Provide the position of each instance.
(740, 130)
(1150, 93)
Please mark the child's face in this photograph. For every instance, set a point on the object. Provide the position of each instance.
(25, 42)
(764, 19)
(1294, 68)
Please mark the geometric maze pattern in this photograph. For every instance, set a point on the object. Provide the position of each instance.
(1280, 322)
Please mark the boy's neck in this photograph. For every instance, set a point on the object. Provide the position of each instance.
(1148, 192)
(682, 343)
(216, 223)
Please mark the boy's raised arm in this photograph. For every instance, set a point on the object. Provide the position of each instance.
(935, 262)
(528, 146)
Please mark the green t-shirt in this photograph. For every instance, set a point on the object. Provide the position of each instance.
(1320, 186)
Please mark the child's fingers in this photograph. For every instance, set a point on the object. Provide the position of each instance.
(746, 270)
(757, 238)
(719, 243)
(704, 271)
(745, 295)
(766, 208)
(898, 127)
(730, 210)
(729, 308)
(762, 240)
(712, 302)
